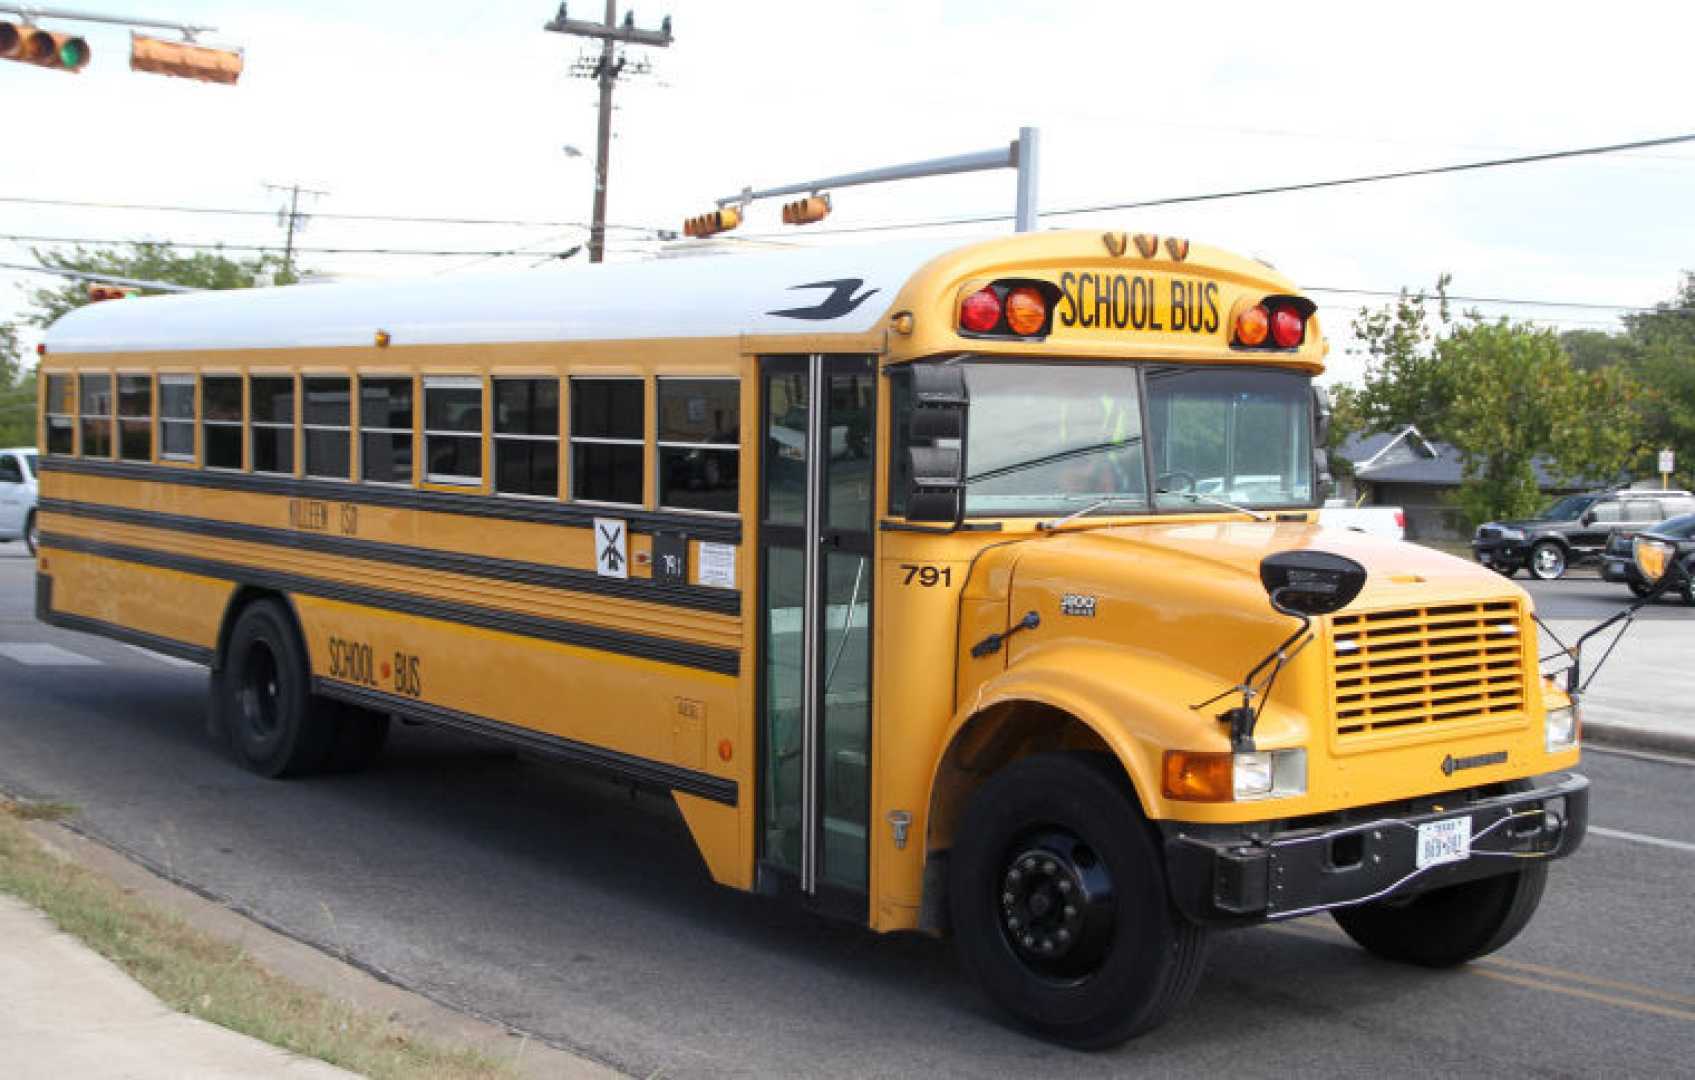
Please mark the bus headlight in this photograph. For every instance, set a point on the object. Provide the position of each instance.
(1561, 727)
(1208, 776)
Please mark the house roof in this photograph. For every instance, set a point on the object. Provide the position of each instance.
(1405, 456)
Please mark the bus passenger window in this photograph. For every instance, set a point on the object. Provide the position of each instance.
(526, 437)
(607, 440)
(96, 414)
(272, 405)
(453, 430)
(176, 417)
(328, 426)
(61, 415)
(135, 417)
(699, 444)
(385, 430)
(220, 426)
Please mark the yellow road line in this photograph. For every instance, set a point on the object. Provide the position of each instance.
(1323, 932)
(1588, 995)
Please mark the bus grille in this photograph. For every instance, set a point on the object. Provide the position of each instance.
(1414, 668)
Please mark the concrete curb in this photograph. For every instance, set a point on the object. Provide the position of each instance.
(1605, 734)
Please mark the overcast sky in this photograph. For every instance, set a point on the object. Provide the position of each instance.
(464, 110)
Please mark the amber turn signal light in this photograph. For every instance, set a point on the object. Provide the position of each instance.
(1198, 776)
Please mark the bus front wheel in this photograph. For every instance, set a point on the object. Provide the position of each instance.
(264, 696)
(1059, 904)
(1449, 926)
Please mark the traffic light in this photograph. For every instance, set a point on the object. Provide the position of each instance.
(184, 60)
(716, 222)
(33, 45)
(99, 292)
(806, 211)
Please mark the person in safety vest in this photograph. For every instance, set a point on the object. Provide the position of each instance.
(1103, 428)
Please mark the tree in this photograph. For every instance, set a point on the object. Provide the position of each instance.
(17, 392)
(1523, 401)
(146, 261)
(1506, 395)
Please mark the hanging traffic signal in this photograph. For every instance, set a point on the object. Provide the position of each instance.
(710, 224)
(32, 45)
(184, 60)
(99, 292)
(806, 211)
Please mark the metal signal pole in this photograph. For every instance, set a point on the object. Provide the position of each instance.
(606, 70)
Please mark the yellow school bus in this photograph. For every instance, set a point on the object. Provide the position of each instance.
(967, 588)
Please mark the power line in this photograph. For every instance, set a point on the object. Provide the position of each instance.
(460, 252)
(1275, 189)
(167, 208)
(1508, 301)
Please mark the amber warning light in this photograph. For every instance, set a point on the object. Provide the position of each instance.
(1011, 309)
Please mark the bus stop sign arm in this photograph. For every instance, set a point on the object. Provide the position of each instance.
(1021, 154)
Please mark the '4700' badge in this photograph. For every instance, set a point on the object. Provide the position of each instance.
(1077, 604)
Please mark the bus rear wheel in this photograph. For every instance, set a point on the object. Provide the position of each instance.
(1448, 927)
(264, 696)
(1060, 908)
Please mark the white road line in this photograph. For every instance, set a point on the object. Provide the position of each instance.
(1638, 838)
(40, 654)
(174, 661)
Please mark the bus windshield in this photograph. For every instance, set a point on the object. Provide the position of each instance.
(1052, 437)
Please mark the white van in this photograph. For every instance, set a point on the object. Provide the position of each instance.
(19, 490)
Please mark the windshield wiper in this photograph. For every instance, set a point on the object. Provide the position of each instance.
(1049, 526)
(1195, 496)
(1049, 459)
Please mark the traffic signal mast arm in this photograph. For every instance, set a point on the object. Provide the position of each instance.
(1020, 155)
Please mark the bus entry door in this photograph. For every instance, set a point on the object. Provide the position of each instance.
(815, 548)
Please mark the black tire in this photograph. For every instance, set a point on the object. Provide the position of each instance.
(32, 533)
(360, 735)
(264, 698)
(1450, 926)
(1046, 829)
(1639, 589)
(1547, 561)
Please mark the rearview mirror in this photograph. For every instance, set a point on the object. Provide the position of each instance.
(1304, 582)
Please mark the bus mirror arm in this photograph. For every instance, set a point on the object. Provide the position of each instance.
(1576, 684)
(1243, 718)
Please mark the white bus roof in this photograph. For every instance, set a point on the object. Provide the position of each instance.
(811, 290)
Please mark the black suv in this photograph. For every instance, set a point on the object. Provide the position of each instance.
(1620, 561)
(1573, 530)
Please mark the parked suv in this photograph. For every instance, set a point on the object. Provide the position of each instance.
(18, 495)
(1619, 564)
(1573, 530)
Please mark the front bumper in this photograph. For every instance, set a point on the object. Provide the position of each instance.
(1614, 568)
(1236, 874)
(1505, 554)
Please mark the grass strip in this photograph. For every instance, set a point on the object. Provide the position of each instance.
(212, 979)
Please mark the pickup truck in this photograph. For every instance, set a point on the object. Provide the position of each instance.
(18, 494)
(1385, 521)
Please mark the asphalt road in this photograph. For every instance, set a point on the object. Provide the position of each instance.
(571, 910)
(1583, 595)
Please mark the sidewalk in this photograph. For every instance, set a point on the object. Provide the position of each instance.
(69, 1013)
(1643, 696)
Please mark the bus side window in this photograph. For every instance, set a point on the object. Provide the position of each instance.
(607, 440)
(271, 398)
(385, 429)
(220, 435)
(176, 417)
(700, 429)
(453, 430)
(61, 415)
(96, 413)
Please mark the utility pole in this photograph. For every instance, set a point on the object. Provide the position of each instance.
(293, 219)
(606, 69)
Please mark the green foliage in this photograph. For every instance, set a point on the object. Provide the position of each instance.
(17, 392)
(147, 262)
(1505, 394)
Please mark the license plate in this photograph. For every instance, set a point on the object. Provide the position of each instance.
(1444, 841)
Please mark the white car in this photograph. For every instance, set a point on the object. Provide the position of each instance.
(19, 490)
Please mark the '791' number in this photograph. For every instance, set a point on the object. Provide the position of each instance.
(927, 576)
